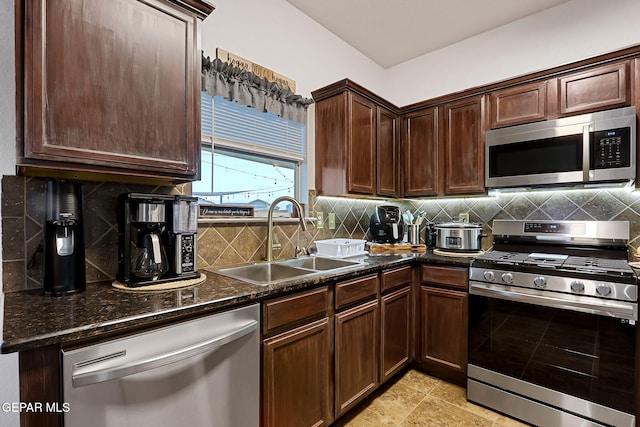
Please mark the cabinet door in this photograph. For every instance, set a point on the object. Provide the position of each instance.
(116, 89)
(600, 88)
(361, 166)
(462, 147)
(388, 151)
(395, 331)
(357, 354)
(518, 105)
(420, 153)
(297, 388)
(443, 330)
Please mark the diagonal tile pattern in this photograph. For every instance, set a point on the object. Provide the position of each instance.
(418, 399)
(238, 242)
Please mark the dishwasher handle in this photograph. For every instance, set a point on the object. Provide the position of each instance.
(89, 377)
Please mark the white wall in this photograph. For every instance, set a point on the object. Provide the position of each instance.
(570, 32)
(9, 391)
(278, 36)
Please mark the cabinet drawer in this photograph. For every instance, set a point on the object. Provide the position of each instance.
(455, 277)
(356, 290)
(394, 278)
(294, 308)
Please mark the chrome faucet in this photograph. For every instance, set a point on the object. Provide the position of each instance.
(269, 256)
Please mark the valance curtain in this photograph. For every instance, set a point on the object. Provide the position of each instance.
(222, 79)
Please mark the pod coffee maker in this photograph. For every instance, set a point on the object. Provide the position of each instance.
(157, 238)
(64, 260)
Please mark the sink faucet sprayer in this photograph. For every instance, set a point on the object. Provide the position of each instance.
(269, 256)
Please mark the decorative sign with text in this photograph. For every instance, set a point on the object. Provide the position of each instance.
(224, 211)
(258, 70)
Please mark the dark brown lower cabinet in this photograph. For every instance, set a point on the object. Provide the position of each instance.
(297, 388)
(396, 321)
(443, 326)
(395, 326)
(297, 359)
(357, 332)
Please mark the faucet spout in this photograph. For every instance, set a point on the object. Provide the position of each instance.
(269, 251)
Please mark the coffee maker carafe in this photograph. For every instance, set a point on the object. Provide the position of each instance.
(64, 260)
(143, 236)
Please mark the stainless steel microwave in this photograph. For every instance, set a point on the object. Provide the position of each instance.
(589, 148)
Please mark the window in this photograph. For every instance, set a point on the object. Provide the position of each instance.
(249, 157)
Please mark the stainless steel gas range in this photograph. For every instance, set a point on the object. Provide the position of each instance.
(552, 314)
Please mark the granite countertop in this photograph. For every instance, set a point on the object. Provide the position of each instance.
(32, 320)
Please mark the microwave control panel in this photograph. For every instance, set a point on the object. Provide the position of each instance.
(611, 148)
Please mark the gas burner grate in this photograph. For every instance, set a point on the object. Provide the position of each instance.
(511, 258)
(599, 265)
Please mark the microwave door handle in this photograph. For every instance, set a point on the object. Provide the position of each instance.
(586, 152)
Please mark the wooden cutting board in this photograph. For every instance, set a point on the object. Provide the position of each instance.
(396, 248)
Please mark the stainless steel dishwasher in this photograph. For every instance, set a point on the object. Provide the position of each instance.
(203, 372)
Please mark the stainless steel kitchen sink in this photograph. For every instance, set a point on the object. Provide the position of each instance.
(267, 273)
(319, 263)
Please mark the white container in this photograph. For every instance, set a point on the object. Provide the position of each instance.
(340, 248)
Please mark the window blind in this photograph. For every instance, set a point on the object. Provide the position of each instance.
(252, 128)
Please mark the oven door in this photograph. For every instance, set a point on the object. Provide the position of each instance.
(547, 364)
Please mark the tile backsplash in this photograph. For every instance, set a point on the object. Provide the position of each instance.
(232, 242)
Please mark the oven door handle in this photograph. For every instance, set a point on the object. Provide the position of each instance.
(602, 307)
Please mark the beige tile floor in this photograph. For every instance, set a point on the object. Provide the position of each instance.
(417, 399)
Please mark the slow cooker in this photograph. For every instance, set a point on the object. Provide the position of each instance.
(458, 236)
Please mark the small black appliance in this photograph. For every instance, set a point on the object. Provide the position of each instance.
(64, 260)
(386, 225)
(157, 238)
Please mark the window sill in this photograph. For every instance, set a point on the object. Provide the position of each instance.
(253, 220)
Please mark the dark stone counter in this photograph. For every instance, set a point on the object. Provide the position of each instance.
(32, 320)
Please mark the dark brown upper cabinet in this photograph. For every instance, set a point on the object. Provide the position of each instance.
(357, 142)
(388, 153)
(420, 146)
(442, 140)
(109, 92)
(517, 105)
(461, 146)
(592, 89)
(598, 88)
(361, 145)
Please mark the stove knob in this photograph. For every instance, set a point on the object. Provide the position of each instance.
(577, 286)
(507, 277)
(603, 290)
(540, 282)
(488, 275)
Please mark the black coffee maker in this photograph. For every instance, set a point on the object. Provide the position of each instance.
(142, 238)
(386, 225)
(64, 261)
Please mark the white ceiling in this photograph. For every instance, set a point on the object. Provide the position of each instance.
(391, 32)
